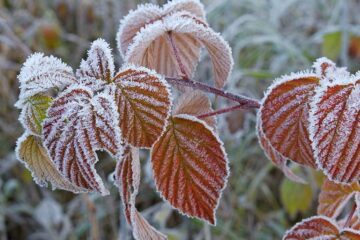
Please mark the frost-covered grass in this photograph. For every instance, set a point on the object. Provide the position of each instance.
(268, 38)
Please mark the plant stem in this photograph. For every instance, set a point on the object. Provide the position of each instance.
(221, 111)
(351, 214)
(177, 56)
(245, 102)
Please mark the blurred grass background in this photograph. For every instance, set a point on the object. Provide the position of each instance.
(268, 37)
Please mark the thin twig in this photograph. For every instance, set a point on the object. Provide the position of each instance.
(223, 110)
(177, 55)
(242, 100)
(351, 214)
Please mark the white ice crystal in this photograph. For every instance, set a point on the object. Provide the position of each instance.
(41, 73)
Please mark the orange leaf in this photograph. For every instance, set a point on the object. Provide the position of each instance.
(313, 228)
(127, 178)
(77, 125)
(143, 100)
(334, 196)
(190, 167)
(195, 103)
(335, 127)
(279, 160)
(284, 116)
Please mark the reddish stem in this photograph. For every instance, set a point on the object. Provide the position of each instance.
(177, 56)
(245, 102)
(351, 214)
(221, 111)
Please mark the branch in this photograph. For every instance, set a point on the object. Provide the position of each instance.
(177, 55)
(223, 110)
(243, 101)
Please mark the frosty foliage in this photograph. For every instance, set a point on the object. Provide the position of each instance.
(169, 40)
(127, 179)
(42, 73)
(279, 160)
(193, 149)
(30, 151)
(335, 126)
(320, 228)
(77, 125)
(334, 196)
(284, 116)
(34, 112)
(144, 103)
(146, 14)
(99, 67)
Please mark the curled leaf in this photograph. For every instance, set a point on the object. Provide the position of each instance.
(127, 178)
(149, 13)
(143, 100)
(152, 47)
(335, 127)
(77, 125)
(42, 73)
(34, 112)
(30, 151)
(284, 116)
(190, 167)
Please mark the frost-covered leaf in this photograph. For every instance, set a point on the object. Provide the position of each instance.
(143, 99)
(279, 160)
(77, 125)
(320, 228)
(148, 14)
(34, 112)
(152, 47)
(143, 230)
(284, 116)
(194, 7)
(127, 178)
(98, 68)
(317, 227)
(30, 151)
(334, 196)
(41, 73)
(335, 127)
(295, 197)
(195, 103)
(124, 178)
(190, 167)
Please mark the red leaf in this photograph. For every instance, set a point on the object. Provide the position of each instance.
(190, 167)
(77, 125)
(143, 99)
(313, 228)
(335, 127)
(279, 160)
(284, 116)
(333, 197)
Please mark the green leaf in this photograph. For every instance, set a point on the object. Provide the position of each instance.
(295, 197)
(34, 113)
(331, 46)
